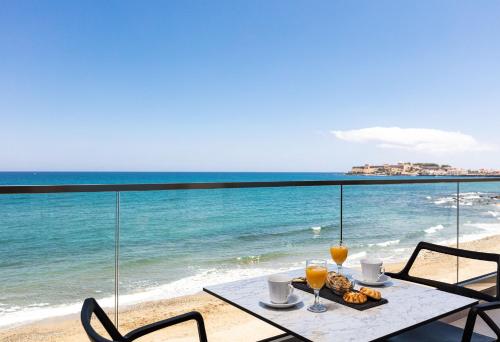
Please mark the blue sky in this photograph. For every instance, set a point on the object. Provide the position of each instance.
(248, 86)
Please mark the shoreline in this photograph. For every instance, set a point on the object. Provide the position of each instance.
(224, 321)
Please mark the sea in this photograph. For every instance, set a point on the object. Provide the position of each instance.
(57, 249)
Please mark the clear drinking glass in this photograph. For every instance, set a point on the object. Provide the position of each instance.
(339, 255)
(316, 272)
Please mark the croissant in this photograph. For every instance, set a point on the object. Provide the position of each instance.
(371, 293)
(355, 298)
(338, 283)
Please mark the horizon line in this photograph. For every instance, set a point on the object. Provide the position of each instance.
(157, 171)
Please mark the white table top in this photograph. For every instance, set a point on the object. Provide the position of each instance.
(409, 304)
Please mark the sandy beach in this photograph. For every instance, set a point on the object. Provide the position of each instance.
(224, 322)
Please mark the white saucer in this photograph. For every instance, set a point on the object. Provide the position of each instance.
(292, 301)
(383, 280)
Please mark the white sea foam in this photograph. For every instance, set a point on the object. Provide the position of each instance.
(38, 305)
(434, 229)
(487, 230)
(493, 213)
(466, 198)
(490, 228)
(428, 197)
(250, 259)
(444, 200)
(471, 195)
(388, 243)
(316, 229)
(16, 315)
(385, 243)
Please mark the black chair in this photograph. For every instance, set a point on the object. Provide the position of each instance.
(442, 332)
(90, 307)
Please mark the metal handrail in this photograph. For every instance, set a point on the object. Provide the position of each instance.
(45, 189)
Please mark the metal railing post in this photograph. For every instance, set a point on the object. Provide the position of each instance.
(117, 255)
(341, 214)
(458, 225)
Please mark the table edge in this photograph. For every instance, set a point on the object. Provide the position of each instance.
(382, 338)
(276, 325)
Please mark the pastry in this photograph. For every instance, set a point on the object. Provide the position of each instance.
(355, 297)
(338, 283)
(371, 293)
(299, 280)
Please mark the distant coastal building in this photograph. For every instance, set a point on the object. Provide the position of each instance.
(419, 169)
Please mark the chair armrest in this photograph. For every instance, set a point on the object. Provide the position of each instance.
(147, 329)
(487, 306)
(452, 288)
(463, 253)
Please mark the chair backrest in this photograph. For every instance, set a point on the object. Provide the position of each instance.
(452, 288)
(91, 307)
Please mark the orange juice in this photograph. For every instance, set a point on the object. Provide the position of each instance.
(316, 276)
(339, 254)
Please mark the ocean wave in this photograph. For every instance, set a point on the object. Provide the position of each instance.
(493, 213)
(488, 230)
(255, 259)
(488, 227)
(249, 259)
(270, 234)
(468, 199)
(385, 243)
(16, 315)
(444, 200)
(434, 229)
(388, 243)
(38, 305)
(316, 229)
(472, 195)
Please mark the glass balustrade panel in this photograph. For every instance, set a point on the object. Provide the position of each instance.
(479, 229)
(55, 251)
(388, 221)
(172, 243)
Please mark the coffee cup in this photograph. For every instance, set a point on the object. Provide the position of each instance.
(280, 288)
(372, 269)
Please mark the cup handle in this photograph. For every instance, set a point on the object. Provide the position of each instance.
(291, 288)
(381, 272)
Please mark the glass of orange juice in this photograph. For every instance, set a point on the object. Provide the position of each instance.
(339, 255)
(316, 272)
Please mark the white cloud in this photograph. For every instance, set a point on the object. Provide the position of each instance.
(414, 139)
